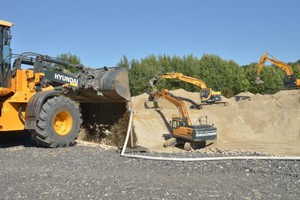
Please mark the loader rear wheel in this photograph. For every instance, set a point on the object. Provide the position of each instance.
(58, 124)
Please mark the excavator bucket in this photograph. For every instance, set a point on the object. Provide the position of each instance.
(153, 83)
(258, 80)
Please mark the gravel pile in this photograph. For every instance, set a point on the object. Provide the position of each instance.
(90, 172)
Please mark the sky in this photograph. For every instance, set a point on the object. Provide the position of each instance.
(102, 32)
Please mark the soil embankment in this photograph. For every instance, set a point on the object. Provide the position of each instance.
(265, 123)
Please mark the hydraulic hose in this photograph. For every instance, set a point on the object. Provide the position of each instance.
(129, 132)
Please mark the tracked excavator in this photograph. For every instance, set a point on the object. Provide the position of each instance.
(289, 81)
(183, 131)
(52, 103)
(207, 95)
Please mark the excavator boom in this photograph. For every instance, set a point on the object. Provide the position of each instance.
(275, 61)
(178, 103)
(188, 79)
(207, 95)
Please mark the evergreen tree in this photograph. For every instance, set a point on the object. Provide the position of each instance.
(70, 58)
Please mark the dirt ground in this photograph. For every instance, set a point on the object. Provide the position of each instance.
(255, 122)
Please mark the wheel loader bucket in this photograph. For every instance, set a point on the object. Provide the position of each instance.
(102, 85)
(104, 98)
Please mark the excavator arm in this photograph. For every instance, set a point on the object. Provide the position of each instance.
(188, 79)
(178, 103)
(267, 57)
(290, 79)
(207, 94)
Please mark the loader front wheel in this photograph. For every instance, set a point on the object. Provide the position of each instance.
(58, 124)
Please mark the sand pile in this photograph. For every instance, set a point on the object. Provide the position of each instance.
(267, 123)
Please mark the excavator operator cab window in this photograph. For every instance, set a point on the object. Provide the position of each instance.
(290, 80)
(183, 124)
(174, 124)
(205, 93)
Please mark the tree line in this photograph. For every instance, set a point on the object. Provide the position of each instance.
(221, 75)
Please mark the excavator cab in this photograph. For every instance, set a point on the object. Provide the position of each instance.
(290, 81)
(179, 122)
(207, 95)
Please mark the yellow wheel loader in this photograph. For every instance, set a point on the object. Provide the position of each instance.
(50, 102)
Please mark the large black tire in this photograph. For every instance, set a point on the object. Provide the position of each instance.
(58, 124)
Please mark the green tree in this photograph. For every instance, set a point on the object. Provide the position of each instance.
(70, 58)
(124, 62)
(220, 75)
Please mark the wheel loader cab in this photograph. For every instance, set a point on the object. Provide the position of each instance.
(5, 52)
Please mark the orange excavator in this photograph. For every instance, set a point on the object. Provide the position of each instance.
(182, 128)
(207, 95)
(290, 81)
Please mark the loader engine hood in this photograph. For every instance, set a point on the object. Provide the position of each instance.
(102, 85)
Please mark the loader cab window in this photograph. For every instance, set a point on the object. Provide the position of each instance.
(5, 55)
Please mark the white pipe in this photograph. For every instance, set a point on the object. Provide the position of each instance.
(215, 158)
(198, 159)
(128, 132)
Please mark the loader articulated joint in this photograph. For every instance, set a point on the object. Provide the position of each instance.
(34, 106)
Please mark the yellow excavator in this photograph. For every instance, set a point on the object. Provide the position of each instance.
(207, 95)
(289, 81)
(182, 128)
(52, 103)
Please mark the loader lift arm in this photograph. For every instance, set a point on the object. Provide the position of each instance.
(290, 80)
